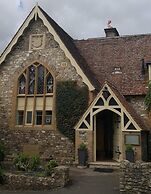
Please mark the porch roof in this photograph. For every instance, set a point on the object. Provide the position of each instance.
(143, 123)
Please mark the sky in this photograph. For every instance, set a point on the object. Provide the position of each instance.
(81, 19)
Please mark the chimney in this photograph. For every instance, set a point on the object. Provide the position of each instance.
(110, 31)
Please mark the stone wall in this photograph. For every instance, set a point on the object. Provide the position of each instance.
(58, 179)
(47, 144)
(53, 57)
(137, 103)
(135, 178)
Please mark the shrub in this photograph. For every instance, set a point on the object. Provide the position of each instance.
(34, 163)
(50, 167)
(2, 153)
(22, 162)
(71, 103)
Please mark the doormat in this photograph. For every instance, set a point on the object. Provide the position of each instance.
(106, 170)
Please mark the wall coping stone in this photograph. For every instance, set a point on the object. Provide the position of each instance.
(58, 179)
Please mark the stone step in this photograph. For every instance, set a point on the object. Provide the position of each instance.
(104, 165)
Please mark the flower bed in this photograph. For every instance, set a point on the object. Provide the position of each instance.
(28, 181)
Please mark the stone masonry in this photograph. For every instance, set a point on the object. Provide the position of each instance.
(135, 178)
(59, 178)
(20, 58)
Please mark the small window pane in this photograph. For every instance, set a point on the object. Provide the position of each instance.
(48, 117)
(21, 84)
(49, 84)
(38, 117)
(29, 117)
(31, 83)
(20, 117)
(40, 84)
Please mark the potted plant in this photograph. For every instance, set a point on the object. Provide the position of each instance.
(129, 153)
(82, 154)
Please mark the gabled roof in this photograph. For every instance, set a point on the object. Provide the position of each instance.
(127, 110)
(143, 125)
(66, 44)
(103, 55)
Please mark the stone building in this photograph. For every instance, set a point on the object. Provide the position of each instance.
(115, 69)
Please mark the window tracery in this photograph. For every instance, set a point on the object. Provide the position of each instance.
(35, 96)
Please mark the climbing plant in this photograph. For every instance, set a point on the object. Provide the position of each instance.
(71, 103)
(148, 98)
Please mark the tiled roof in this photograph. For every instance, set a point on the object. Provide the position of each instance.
(69, 43)
(144, 125)
(103, 55)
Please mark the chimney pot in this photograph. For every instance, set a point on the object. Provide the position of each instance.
(111, 32)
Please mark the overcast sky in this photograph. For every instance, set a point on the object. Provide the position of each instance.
(81, 19)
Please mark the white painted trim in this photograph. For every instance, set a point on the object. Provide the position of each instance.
(33, 14)
(149, 72)
(106, 106)
(16, 37)
(94, 155)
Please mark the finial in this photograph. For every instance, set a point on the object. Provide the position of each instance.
(109, 25)
(37, 4)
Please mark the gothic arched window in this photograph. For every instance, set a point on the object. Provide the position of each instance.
(35, 96)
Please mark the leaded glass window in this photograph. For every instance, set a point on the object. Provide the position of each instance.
(19, 117)
(48, 117)
(22, 84)
(29, 117)
(49, 84)
(38, 117)
(35, 96)
(31, 76)
(40, 83)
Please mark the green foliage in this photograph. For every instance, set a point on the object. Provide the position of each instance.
(34, 163)
(40, 174)
(148, 98)
(129, 147)
(22, 162)
(82, 146)
(71, 103)
(2, 175)
(2, 153)
(50, 167)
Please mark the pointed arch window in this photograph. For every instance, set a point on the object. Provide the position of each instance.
(21, 84)
(35, 96)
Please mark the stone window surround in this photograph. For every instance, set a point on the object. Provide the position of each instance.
(14, 107)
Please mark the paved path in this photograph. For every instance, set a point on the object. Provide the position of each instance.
(84, 181)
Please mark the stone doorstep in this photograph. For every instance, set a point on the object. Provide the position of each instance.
(105, 165)
(100, 164)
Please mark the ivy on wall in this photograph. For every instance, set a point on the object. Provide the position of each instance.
(71, 103)
(148, 98)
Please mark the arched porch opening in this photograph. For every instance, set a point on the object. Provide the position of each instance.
(106, 125)
(107, 135)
